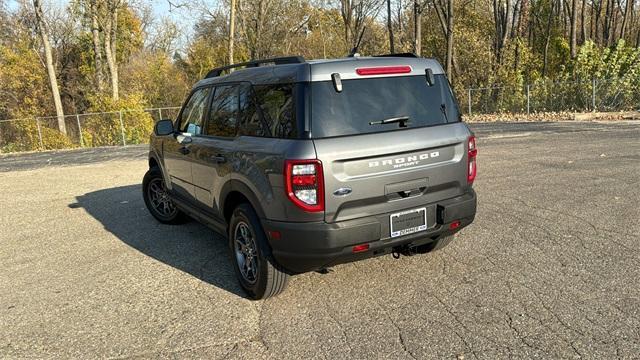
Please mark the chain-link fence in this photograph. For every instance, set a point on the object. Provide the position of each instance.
(548, 96)
(128, 127)
(124, 127)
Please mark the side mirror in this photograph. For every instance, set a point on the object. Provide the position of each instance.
(164, 127)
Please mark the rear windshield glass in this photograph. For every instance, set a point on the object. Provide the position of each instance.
(363, 101)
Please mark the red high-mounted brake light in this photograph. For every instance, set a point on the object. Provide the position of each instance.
(383, 70)
(472, 167)
(304, 184)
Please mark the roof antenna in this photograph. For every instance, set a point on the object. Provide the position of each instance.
(354, 51)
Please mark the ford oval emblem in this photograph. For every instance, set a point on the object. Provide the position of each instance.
(342, 191)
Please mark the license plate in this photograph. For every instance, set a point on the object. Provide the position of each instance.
(408, 222)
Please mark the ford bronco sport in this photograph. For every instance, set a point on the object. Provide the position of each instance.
(307, 164)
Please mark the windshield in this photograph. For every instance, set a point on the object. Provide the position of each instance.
(376, 105)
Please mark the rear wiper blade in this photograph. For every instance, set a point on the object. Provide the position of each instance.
(401, 120)
(443, 108)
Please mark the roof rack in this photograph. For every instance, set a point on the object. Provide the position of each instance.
(411, 55)
(255, 63)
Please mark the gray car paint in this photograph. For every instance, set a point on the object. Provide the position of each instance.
(256, 165)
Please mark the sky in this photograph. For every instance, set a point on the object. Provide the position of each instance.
(184, 17)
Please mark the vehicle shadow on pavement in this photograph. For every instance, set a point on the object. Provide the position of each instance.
(191, 247)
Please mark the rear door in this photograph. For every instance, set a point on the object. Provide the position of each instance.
(177, 149)
(372, 167)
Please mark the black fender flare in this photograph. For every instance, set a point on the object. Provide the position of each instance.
(158, 159)
(234, 185)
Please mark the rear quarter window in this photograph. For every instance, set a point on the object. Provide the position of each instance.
(268, 111)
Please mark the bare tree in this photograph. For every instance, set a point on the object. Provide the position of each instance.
(43, 30)
(417, 27)
(573, 42)
(583, 22)
(628, 12)
(502, 13)
(444, 10)
(355, 14)
(95, 38)
(390, 28)
(232, 29)
(110, 42)
(545, 52)
(608, 19)
(253, 17)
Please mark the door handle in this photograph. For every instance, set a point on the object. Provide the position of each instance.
(184, 150)
(220, 159)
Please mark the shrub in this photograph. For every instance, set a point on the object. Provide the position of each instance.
(106, 129)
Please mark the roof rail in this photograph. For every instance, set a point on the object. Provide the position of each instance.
(411, 55)
(255, 63)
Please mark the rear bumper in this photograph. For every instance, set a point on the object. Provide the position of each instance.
(306, 247)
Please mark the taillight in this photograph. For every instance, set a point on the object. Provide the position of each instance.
(304, 184)
(383, 70)
(472, 167)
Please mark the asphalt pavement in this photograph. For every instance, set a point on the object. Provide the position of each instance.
(549, 269)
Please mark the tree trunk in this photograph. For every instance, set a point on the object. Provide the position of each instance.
(110, 41)
(232, 29)
(97, 52)
(258, 51)
(51, 71)
(390, 28)
(583, 25)
(593, 29)
(443, 19)
(501, 16)
(417, 28)
(450, 40)
(628, 11)
(521, 30)
(545, 57)
(599, 26)
(606, 35)
(347, 12)
(573, 43)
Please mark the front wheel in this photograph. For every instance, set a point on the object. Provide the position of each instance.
(157, 199)
(258, 274)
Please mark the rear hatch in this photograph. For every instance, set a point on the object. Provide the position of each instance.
(373, 165)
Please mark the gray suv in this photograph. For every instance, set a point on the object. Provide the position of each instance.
(307, 164)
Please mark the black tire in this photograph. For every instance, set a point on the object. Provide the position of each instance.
(440, 243)
(257, 273)
(157, 199)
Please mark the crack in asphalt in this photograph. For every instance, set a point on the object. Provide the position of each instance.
(595, 228)
(260, 331)
(457, 319)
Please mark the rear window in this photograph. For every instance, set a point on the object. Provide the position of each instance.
(375, 99)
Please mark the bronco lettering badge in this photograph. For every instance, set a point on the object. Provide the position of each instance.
(404, 161)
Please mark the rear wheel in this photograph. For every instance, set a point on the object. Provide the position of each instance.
(157, 199)
(258, 274)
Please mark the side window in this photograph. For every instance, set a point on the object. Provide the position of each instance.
(223, 116)
(193, 113)
(251, 123)
(275, 107)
